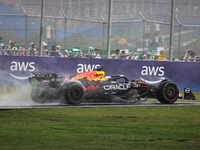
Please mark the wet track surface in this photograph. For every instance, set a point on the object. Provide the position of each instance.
(4, 105)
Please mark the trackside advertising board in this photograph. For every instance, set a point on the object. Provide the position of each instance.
(15, 70)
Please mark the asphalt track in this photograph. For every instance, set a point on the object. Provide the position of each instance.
(7, 105)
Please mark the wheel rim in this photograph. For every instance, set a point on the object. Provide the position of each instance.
(171, 92)
(76, 93)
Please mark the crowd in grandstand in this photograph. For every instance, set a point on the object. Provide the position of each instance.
(92, 53)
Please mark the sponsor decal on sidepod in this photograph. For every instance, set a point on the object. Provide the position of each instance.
(116, 87)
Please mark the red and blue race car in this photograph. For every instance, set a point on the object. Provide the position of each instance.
(94, 85)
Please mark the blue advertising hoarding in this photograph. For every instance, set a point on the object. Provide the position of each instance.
(15, 70)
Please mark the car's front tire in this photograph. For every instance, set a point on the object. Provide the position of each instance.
(167, 92)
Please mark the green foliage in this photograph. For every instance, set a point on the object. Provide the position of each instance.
(72, 41)
(7, 36)
(78, 40)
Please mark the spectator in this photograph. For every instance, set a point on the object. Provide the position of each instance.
(181, 58)
(197, 58)
(65, 54)
(69, 54)
(177, 59)
(79, 54)
(45, 50)
(58, 48)
(148, 56)
(192, 56)
(132, 55)
(122, 55)
(144, 56)
(10, 49)
(139, 57)
(96, 53)
(162, 56)
(56, 51)
(32, 50)
(45, 45)
(46, 53)
(3, 49)
(116, 54)
(21, 51)
(187, 54)
(90, 52)
(54, 48)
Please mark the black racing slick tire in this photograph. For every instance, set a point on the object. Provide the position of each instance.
(74, 93)
(167, 92)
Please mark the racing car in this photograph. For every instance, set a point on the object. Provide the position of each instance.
(94, 85)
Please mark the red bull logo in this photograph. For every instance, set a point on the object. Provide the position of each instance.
(91, 76)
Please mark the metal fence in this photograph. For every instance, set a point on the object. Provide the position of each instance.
(135, 24)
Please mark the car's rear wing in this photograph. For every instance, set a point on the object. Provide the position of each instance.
(39, 78)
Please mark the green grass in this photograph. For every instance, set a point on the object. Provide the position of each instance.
(196, 94)
(101, 128)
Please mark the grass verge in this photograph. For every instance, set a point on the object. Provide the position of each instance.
(101, 128)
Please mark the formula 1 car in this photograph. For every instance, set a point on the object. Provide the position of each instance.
(48, 87)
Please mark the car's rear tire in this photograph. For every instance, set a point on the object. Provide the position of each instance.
(38, 94)
(74, 93)
(167, 92)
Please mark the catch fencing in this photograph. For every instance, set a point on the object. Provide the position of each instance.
(80, 25)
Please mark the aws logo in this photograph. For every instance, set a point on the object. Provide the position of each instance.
(84, 67)
(153, 71)
(21, 66)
